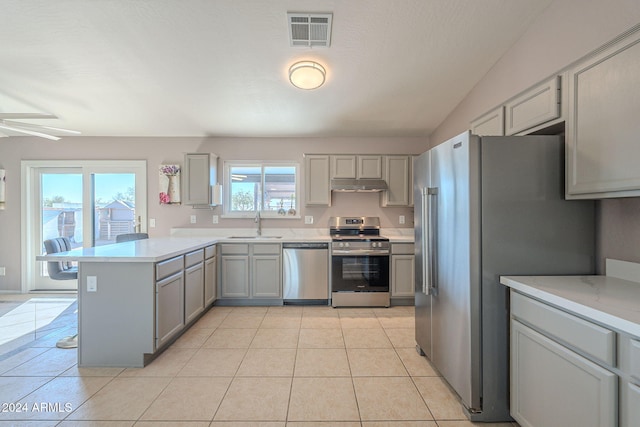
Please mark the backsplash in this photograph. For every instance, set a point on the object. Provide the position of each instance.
(618, 230)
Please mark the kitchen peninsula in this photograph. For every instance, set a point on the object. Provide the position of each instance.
(132, 296)
(135, 298)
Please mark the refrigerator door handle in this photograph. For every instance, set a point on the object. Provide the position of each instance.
(425, 242)
(433, 239)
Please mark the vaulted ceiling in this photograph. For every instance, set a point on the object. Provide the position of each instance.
(220, 67)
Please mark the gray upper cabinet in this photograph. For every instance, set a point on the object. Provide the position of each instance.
(489, 124)
(316, 180)
(533, 110)
(397, 175)
(199, 176)
(345, 166)
(534, 107)
(369, 167)
(395, 170)
(603, 127)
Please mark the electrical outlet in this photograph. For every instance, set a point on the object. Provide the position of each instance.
(3, 271)
(92, 283)
(152, 222)
(193, 219)
(401, 219)
(215, 219)
(308, 219)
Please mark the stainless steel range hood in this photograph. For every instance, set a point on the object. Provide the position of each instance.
(358, 185)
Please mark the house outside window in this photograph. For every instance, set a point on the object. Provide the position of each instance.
(270, 188)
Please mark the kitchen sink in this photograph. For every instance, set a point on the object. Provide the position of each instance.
(254, 237)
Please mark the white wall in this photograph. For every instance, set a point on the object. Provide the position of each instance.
(160, 150)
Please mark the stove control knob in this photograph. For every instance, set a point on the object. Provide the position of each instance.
(341, 245)
(347, 244)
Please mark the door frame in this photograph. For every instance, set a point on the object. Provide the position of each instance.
(28, 172)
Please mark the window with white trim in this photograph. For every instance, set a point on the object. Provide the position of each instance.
(270, 188)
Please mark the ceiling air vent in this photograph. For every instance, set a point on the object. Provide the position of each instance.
(310, 29)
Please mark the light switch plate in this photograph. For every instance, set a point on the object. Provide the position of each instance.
(92, 284)
(308, 219)
(3, 271)
(152, 222)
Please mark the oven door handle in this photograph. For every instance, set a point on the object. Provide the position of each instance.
(358, 252)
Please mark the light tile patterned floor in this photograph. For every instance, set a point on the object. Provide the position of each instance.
(244, 366)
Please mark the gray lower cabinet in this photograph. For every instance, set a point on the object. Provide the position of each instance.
(234, 281)
(170, 297)
(402, 270)
(250, 271)
(629, 359)
(193, 285)
(559, 375)
(266, 276)
(169, 307)
(210, 275)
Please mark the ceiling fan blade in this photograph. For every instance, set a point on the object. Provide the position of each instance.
(29, 132)
(35, 126)
(27, 116)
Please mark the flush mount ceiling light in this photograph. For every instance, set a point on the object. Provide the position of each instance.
(307, 75)
(41, 131)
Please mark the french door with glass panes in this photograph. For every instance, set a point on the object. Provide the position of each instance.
(88, 202)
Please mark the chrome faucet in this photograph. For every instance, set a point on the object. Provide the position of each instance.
(258, 220)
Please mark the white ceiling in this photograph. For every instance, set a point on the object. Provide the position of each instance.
(219, 67)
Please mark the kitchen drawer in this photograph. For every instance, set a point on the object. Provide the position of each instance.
(581, 334)
(266, 249)
(402, 249)
(192, 258)
(235, 249)
(209, 251)
(168, 267)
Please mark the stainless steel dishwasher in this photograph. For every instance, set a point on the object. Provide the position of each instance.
(306, 273)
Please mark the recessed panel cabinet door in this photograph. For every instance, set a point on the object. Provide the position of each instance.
(553, 386)
(169, 308)
(317, 181)
(489, 124)
(193, 291)
(397, 175)
(210, 272)
(266, 276)
(603, 127)
(235, 276)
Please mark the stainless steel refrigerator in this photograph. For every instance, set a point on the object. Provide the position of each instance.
(486, 207)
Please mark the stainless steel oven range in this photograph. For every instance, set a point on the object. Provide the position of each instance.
(359, 263)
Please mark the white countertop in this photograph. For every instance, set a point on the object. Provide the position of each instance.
(610, 301)
(395, 235)
(184, 240)
(146, 250)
